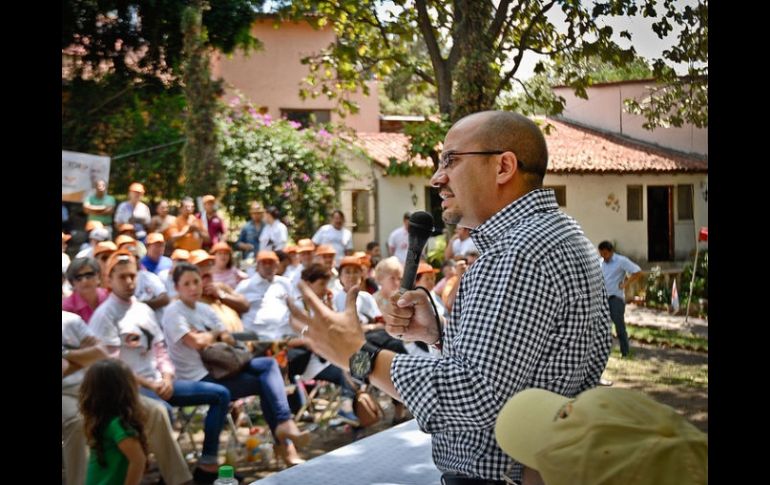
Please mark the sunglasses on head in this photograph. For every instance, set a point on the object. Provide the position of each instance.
(84, 276)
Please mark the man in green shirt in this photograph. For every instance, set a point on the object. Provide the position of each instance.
(100, 206)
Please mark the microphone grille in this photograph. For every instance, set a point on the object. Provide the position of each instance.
(421, 223)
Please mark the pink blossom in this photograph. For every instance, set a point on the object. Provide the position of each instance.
(295, 125)
(234, 101)
(305, 178)
(324, 134)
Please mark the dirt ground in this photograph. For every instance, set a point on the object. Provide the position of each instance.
(672, 376)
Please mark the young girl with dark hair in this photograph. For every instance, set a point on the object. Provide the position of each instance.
(112, 421)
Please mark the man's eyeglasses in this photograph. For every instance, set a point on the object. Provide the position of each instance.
(447, 158)
(85, 276)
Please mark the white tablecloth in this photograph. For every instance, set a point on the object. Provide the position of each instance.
(397, 456)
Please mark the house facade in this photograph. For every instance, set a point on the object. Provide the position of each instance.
(645, 191)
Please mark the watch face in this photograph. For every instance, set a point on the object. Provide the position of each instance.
(360, 364)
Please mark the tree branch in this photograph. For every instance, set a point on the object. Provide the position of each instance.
(423, 20)
(500, 16)
(522, 47)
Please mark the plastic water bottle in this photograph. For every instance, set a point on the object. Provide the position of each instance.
(252, 446)
(226, 476)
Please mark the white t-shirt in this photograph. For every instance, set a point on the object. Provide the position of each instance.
(460, 248)
(168, 281)
(149, 286)
(115, 322)
(73, 331)
(365, 305)
(339, 239)
(399, 240)
(178, 321)
(268, 314)
(273, 237)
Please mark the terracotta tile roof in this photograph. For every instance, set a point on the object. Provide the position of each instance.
(573, 149)
(382, 146)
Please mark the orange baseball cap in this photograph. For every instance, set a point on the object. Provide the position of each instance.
(91, 225)
(425, 268)
(324, 249)
(199, 256)
(65, 237)
(180, 255)
(221, 246)
(290, 249)
(124, 239)
(105, 247)
(136, 187)
(119, 256)
(267, 256)
(209, 198)
(125, 227)
(155, 237)
(350, 261)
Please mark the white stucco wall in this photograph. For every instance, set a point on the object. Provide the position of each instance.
(604, 110)
(397, 195)
(587, 197)
(271, 77)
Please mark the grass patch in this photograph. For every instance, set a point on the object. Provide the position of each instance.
(669, 338)
(647, 370)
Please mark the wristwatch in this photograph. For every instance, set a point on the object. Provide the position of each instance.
(362, 362)
(65, 353)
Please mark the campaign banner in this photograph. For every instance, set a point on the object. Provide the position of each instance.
(79, 173)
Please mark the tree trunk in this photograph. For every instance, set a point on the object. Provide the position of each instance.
(202, 168)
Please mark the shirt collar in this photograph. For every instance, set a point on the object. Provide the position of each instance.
(488, 233)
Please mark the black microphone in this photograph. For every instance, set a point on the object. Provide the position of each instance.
(420, 229)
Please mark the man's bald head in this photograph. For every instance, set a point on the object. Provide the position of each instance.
(504, 130)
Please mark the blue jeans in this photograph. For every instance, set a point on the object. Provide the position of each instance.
(263, 377)
(191, 393)
(617, 314)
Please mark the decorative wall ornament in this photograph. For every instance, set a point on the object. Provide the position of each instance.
(613, 202)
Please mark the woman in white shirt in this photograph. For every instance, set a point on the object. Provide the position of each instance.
(190, 326)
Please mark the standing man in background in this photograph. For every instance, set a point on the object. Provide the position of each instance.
(212, 221)
(100, 206)
(336, 236)
(248, 241)
(615, 268)
(398, 241)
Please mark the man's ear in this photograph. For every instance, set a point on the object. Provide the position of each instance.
(507, 167)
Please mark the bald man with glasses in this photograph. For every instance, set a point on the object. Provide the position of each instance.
(530, 312)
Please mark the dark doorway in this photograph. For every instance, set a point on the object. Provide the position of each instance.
(433, 202)
(660, 223)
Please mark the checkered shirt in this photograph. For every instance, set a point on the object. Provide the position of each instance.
(530, 312)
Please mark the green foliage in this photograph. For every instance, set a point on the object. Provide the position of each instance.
(111, 118)
(409, 104)
(436, 255)
(677, 100)
(537, 96)
(470, 51)
(277, 163)
(657, 292)
(700, 285)
(202, 169)
(110, 33)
